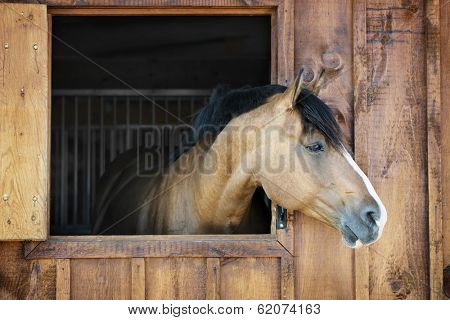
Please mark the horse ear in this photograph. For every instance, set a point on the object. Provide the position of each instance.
(293, 91)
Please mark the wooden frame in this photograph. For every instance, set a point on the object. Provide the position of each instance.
(279, 243)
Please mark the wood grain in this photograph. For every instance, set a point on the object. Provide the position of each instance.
(95, 279)
(25, 279)
(250, 278)
(325, 27)
(24, 174)
(392, 146)
(287, 268)
(433, 50)
(88, 248)
(63, 279)
(138, 279)
(360, 76)
(445, 120)
(213, 277)
(176, 278)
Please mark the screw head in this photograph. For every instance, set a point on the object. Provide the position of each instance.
(35, 46)
(5, 197)
(6, 45)
(35, 198)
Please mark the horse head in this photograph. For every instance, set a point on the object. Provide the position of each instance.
(306, 167)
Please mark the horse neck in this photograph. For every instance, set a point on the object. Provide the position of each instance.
(223, 194)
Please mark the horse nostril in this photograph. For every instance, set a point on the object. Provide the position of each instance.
(371, 217)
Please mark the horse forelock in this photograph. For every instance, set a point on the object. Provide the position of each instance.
(318, 114)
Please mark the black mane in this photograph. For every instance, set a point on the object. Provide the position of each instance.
(225, 104)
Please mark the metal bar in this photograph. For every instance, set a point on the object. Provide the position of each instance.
(149, 93)
(88, 206)
(75, 165)
(128, 133)
(102, 138)
(113, 132)
(63, 210)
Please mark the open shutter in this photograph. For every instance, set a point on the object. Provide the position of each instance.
(24, 122)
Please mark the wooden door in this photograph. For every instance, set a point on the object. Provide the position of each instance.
(169, 267)
(24, 121)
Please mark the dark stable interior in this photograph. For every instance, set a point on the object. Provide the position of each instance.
(98, 61)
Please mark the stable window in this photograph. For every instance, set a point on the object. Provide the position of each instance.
(84, 101)
(114, 77)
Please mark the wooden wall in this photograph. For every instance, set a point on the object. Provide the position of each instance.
(385, 80)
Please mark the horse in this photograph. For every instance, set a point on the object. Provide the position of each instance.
(251, 144)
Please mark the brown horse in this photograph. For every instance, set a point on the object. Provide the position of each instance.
(285, 141)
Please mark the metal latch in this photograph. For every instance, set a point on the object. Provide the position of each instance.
(281, 217)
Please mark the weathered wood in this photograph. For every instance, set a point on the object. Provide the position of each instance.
(63, 279)
(79, 248)
(25, 279)
(176, 278)
(323, 29)
(250, 278)
(138, 279)
(445, 134)
(212, 280)
(319, 273)
(287, 278)
(360, 74)
(24, 121)
(161, 3)
(432, 9)
(94, 279)
(190, 11)
(391, 145)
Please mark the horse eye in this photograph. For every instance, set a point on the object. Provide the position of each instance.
(315, 147)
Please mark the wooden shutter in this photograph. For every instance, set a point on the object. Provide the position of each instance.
(24, 122)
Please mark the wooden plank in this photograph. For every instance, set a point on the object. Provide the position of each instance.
(320, 273)
(212, 279)
(149, 237)
(138, 279)
(63, 279)
(24, 123)
(73, 248)
(287, 278)
(98, 279)
(250, 278)
(25, 279)
(176, 278)
(360, 74)
(394, 146)
(285, 42)
(323, 29)
(163, 4)
(434, 141)
(445, 119)
(189, 11)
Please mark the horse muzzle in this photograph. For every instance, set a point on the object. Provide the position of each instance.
(364, 227)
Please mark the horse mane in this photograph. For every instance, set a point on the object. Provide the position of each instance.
(225, 104)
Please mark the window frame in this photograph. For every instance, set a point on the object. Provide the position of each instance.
(278, 243)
